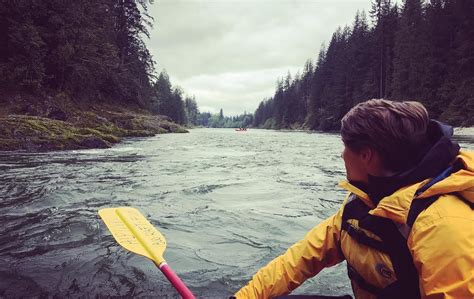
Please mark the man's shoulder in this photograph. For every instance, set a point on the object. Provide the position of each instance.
(448, 210)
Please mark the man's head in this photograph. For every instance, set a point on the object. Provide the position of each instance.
(388, 133)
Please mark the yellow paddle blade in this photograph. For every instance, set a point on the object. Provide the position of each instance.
(133, 232)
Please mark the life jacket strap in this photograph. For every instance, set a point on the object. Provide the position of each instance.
(418, 205)
(360, 281)
(362, 238)
(470, 204)
(392, 243)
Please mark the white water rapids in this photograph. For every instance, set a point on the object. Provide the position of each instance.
(227, 202)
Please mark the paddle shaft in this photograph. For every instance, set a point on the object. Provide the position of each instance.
(175, 281)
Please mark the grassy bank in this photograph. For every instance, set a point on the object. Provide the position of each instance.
(58, 123)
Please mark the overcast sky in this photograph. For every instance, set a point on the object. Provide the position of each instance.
(230, 53)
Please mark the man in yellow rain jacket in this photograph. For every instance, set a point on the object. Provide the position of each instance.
(406, 227)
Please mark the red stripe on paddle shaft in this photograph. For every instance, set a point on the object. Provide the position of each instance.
(176, 282)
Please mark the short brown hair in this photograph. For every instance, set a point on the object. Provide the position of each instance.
(396, 130)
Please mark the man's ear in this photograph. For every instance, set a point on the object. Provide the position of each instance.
(371, 159)
(367, 154)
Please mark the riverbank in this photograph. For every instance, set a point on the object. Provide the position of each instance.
(464, 131)
(37, 124)
(464, 135)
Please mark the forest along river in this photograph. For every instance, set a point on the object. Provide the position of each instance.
(227, 202)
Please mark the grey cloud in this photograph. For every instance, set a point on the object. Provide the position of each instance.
(197, 41)
(235, 92)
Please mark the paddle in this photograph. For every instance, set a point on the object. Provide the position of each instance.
(133, 232)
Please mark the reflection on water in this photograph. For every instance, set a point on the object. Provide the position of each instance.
(227, 203)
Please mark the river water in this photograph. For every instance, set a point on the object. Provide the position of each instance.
(227, 202)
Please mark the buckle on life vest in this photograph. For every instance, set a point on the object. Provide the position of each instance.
(360, 281)
(355, 232)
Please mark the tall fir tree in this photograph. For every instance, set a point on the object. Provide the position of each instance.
(410, 53)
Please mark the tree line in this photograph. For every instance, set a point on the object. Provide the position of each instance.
(92, 50)
(89, 49)
(218, 120)
(421, 51)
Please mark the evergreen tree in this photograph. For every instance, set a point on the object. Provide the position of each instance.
(221, 114)
(314, 101)
(203, 119)
(178, 114)
(360, 74)
(163, 91)
(439, 32)
(259, 115)
(384, 17)
(192, 110)
(134, 57)
(410, 53)
(458, 89)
